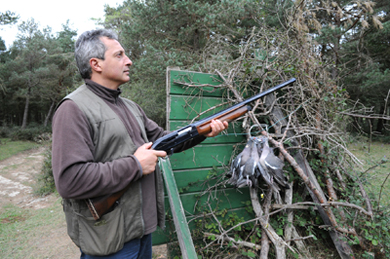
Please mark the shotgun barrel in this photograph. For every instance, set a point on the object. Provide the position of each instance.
(101, 205)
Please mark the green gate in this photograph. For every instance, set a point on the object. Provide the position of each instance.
(199, 172)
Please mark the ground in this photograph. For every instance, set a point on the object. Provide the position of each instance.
(16, 181)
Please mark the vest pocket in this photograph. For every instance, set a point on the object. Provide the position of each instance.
(104, 236)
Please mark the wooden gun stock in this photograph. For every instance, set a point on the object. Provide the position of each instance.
(101, 205)
(205, 128)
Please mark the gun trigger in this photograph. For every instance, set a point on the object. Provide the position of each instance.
(170, 152)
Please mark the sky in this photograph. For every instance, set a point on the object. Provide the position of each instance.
(54, 14)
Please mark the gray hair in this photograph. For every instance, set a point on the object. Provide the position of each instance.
(90, 46)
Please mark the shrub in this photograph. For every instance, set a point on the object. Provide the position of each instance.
(5, 132)
(45, 180)
(30, 133)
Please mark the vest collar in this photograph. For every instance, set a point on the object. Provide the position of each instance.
(105, 93)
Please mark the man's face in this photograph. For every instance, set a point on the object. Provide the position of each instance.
(115, 66)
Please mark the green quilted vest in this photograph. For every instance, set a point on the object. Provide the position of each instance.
(111, 141)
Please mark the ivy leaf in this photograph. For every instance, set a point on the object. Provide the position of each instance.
(251, 254)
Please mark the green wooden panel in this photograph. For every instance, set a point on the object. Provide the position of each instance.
(188, 108)
(221, 199)
(192, 167)
(197, 180)
(163, 236)
(225, 198)
(194, 78)
(202, 156)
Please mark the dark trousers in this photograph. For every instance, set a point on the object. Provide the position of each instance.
(134, 249)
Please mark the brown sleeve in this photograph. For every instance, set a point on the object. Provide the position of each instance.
(76, 174)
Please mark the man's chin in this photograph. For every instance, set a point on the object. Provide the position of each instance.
(126, 79)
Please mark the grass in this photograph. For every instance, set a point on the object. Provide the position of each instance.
(376, 167)
(23, 230)
(9, 148)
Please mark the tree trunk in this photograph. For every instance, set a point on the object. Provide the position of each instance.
(26, 106)
(379, 125)
(53, 103)
(336, 47)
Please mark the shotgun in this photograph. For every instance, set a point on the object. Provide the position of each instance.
(101, 205)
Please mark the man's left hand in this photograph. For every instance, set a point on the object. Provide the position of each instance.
(217, 127)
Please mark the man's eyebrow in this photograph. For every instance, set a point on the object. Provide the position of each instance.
(120, 52)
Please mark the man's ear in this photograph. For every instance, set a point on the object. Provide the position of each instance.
(95, 64)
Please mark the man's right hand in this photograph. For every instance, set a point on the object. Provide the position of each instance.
(148, 157)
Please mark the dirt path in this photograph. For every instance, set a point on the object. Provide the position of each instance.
(17, 175)
(17, 178)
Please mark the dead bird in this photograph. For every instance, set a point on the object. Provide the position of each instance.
(271, 164)
(243, 166)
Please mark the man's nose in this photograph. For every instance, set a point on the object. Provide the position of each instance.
(129, 62)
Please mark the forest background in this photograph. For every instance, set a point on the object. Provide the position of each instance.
(338, 50)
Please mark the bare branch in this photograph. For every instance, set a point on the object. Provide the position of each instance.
(237, 242)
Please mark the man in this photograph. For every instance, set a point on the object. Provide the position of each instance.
(102, 144)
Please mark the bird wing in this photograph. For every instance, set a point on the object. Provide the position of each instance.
(275, 166)
(246, 153)
(273, 161)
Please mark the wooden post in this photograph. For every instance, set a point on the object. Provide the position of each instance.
(183, 232)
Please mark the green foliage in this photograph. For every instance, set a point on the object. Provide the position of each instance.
(365, 73)
(241, 231)
(377, 233)
(5, 132)
(45, 180)
(35, 74)
(223, 219)
(368, 86)
(31, 133)
(357, 49)
(8, 17)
